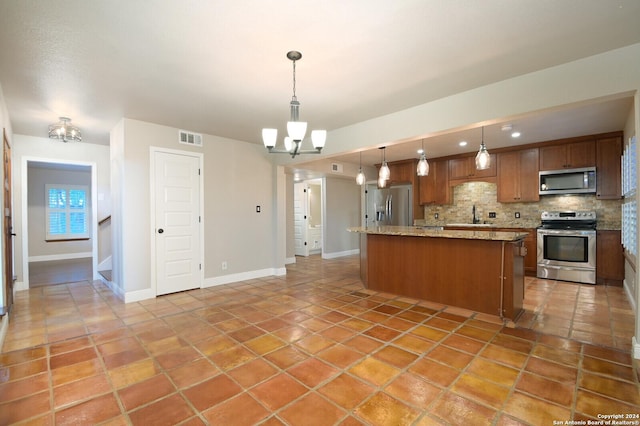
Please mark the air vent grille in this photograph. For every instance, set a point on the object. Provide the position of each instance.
(189, 138)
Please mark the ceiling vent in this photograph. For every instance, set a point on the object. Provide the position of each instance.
(336, 167)
(189, 138)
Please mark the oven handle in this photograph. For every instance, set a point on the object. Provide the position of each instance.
(568, 232)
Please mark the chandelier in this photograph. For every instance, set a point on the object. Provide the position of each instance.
(65, 130)
(296, 129)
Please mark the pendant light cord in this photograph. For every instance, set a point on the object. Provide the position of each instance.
(294, 80)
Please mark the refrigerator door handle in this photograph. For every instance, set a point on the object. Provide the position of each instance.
(389, 209)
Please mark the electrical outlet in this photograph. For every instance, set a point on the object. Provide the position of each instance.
(224, 265)
(492, 215)
(436, 216)
(257, 209)
(517, 215)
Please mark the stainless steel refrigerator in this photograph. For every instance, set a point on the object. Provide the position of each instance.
(389, 206)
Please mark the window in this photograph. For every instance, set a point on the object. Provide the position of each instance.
(629, 206)
(66, 212)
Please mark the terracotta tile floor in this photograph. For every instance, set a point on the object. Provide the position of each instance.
(313, 348)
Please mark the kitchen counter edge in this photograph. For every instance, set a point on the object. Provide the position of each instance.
(410, 231)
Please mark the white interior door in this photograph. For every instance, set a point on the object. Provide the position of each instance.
(300, 219)
(177, 222)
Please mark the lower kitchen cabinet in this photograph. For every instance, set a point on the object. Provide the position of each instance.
(530, 243)
(609, 258)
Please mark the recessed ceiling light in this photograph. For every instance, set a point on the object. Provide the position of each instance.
(507, 127)
(515, 134)
(420, 151)
(462, 143)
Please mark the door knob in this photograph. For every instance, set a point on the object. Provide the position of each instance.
(160, 231)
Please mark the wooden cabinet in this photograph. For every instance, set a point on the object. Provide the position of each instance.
(609, 258)
(434, 188)
(609, 174)
(530, 243)
(518, 176)
(465, 169)
(401, 172)
(568, 156)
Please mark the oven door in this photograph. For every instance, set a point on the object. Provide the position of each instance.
(566, 254)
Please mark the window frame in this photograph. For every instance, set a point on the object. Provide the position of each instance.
(68, 211)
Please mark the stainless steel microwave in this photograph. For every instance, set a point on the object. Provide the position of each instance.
(568, 181)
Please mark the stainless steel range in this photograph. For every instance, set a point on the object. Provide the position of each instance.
(567, 246)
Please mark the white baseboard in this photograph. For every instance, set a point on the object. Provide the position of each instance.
(635, 345)
(290, 260)
(242, 276)
(19, 286)
(105, 265)
(138, 295)
(67, 256)
(340, 254)
(630, 298)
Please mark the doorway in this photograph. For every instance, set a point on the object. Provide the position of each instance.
(52, 256)
(308, 217)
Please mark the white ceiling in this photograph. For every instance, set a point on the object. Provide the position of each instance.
(219, 67)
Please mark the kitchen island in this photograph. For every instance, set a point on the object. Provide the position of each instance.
(478, 270)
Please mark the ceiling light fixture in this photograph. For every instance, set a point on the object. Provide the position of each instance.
(296, 129)
(360, 177)
(515, 134)
(423, 165)
(65, 131)
(483, 159)
(384, 174)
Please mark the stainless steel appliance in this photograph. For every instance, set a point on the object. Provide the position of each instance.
(568, 181)
(389, 206)
(567, 246)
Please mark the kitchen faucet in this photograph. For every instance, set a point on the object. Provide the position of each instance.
(473, 211)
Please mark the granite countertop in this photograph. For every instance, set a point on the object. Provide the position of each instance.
(412, 231)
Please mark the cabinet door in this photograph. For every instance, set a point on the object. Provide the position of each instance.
(434, 188)
(459, 168)
(531, 258)
(465, 168)
(529, 175)
(508, 177)
(553, 157)
(401, 173)
(581, 154)
(609, 258)
(568, 156)
(518, 176)
(608, 180)
(490, 172)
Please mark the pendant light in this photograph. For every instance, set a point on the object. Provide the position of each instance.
(423, 165)
(384, 174)
(360, 178)
(483, 159)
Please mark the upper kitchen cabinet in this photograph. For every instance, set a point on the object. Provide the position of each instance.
(568, 156)
(464, 169)
(434, 188)
(402, 172)
(608, 178)
(518, 176)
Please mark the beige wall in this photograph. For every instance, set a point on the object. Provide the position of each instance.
(237, 177)
(342, 210)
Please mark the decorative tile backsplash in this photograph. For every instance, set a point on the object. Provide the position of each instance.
(484, 196)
